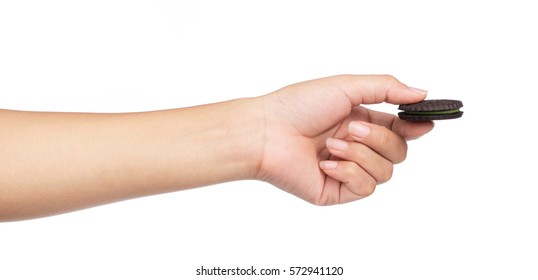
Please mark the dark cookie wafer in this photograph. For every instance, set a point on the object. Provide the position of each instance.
(425, 118)
(432, 105)
(429, 110)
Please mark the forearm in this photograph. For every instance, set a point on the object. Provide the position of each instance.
(56, 162)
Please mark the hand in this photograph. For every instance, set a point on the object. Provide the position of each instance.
(320, 145)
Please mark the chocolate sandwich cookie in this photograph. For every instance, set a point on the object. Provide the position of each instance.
(429, 110)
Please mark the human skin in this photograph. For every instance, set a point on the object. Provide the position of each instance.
(311, 139)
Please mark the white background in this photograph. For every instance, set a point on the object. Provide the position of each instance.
(462, 206)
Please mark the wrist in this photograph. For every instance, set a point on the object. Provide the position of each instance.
(226, 139)
(246, 136)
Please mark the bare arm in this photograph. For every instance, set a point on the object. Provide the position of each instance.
(57, 162)
(311, 139)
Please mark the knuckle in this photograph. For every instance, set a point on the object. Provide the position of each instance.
(350, 170)
(396, 147)
(359, 182)
(386, 174)
(392, 83)
(387, 77)
(368, 186)
(383, 136)
(359, 151)
(402, 153)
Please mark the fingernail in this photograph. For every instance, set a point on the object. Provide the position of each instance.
(336, 144)
(419, 91)
(328, 164)
(358, 129)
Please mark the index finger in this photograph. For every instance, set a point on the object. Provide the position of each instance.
(407, 130)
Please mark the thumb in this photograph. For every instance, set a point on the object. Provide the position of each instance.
(371, 89)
